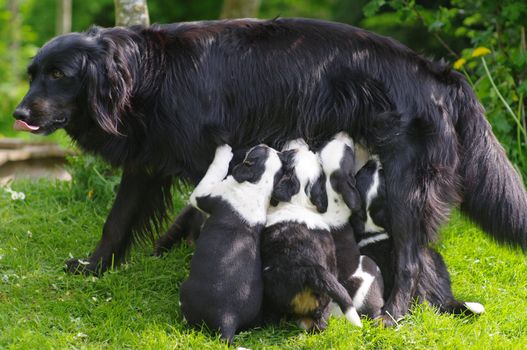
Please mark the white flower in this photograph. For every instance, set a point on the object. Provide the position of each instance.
(15, 195)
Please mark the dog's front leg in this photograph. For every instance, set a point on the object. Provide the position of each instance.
(216, 172)
(142, 201)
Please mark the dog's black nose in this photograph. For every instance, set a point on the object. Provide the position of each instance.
(21, 113)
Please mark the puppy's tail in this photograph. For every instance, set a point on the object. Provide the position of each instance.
(325, 282)
(493, 193)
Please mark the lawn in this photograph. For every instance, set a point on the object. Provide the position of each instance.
(136, 305)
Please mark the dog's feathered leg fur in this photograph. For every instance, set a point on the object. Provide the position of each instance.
(140, 205)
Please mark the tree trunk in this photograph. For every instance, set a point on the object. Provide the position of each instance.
(240, 8)
(15, 24)
(131, 12)
(63, 21)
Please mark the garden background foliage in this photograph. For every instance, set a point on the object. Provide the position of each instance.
(450, 30)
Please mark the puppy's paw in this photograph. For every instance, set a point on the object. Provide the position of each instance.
(224, 152)
(82, 267)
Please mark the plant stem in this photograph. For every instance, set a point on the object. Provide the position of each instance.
(509, 109)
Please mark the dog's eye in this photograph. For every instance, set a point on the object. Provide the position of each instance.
(57, 74)
(248, 163)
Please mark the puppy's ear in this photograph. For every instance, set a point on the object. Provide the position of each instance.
(109, 83)
(286, 188)
(240, 174)
(317, 194)
(349, 192)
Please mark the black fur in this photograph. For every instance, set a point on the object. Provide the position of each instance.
(300, 267)
(140, 97)
(296, 259)
(224, 289)
(345, 204)
(433, 284)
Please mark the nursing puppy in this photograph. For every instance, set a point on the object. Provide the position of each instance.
(372, 232)
(358, 274)
(298, 253)
(224, 289)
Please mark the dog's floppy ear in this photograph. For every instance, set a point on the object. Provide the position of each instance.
(349, 192)
(109, 83)
(317, 193)
(286, 188)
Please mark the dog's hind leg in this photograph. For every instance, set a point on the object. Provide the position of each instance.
(420, 163)
(434, 286)
(186, 226)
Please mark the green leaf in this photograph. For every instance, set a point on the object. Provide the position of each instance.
(372, 7)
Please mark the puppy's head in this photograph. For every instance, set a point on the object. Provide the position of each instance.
(338, 161)
(74, 75)
(261, 164)
(372, 188)
(302, 182)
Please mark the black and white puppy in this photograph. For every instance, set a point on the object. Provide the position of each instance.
(224, 289)
(372, 233)
(358, 273)
(298, 254)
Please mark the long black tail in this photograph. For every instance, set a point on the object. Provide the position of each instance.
(493, 193)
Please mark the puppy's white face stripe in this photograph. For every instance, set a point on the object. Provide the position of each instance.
(251, 200)
(299, 208)
(369, 225)
(295, 144)
(331, 155)
(307, 170)
(362, 292)
(373, 239)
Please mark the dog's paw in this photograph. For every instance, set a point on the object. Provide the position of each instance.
(82, 267)
(386, 320)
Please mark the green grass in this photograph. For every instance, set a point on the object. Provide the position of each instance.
(136, 306)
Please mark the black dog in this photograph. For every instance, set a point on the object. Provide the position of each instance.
(298, 254)
(224, 288)
(359, 274)
(141, 97)
(374, 241)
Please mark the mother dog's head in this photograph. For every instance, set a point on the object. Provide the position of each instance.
(77, 74)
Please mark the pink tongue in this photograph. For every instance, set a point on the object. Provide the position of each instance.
(23, 126)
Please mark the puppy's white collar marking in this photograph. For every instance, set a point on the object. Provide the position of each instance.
(373, 239)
